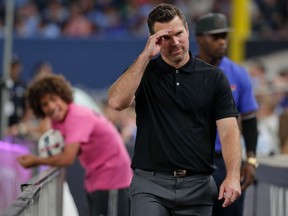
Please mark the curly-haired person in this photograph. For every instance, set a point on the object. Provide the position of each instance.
(88, 136)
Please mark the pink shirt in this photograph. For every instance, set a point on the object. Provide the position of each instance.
(102, 151)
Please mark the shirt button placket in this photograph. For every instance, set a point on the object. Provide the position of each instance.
(177, 82)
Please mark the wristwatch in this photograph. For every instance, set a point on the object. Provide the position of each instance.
(253, 161)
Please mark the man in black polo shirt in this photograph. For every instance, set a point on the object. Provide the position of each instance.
(180, 101)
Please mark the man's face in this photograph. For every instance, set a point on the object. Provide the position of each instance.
(175, 46)
(54, 107)
(15, 72)
(213, 45)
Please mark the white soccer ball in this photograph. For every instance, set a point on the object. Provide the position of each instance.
(50, 143)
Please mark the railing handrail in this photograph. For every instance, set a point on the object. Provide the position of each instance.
(42, 178)
(31, 191)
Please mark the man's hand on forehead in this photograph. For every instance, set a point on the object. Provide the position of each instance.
(160, 35)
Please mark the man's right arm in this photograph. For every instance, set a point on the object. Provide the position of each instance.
(122, 92)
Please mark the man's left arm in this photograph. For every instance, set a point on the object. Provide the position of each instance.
(248, 107)
(250, 135)
(229, 135)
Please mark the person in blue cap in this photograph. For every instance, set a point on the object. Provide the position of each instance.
(211, 35)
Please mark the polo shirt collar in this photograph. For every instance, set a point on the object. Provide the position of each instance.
(188, 67)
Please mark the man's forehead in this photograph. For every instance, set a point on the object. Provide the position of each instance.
(176, 24)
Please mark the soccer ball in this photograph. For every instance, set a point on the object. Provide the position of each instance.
(50, 143)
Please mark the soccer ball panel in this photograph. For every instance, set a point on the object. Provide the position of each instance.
(50, 143)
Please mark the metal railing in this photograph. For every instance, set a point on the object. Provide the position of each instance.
(42, 195)
(269, 195)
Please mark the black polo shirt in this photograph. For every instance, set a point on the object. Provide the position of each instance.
(176, 112)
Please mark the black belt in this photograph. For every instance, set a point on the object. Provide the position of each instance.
(182, 173)
(176, 173)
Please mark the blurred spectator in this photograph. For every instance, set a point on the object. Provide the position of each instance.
(106, 18)
(77, 25)
(85, 99)
(283, 135)
(268, 141)
(42, 68)
(272, 97)
(48, 30)
(16, 105)
(80, 96)
(195, 8)
(27, 20)
(222, 6)
(134, 15)
(271, 20)
(125, 122)
(53, 18)
(283, 129)
(258, 73)
(30, 128)
(280, 84)
(55, 13)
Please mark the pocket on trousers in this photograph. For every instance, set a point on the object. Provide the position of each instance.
(214, 188)
(140, 184)
(136, 186)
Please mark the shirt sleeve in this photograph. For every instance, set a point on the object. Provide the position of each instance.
(247, 100)
(224, 103)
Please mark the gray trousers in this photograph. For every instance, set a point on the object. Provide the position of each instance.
(156, 194)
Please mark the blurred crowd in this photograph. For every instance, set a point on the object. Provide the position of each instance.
(272, 116)
(116, 18)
